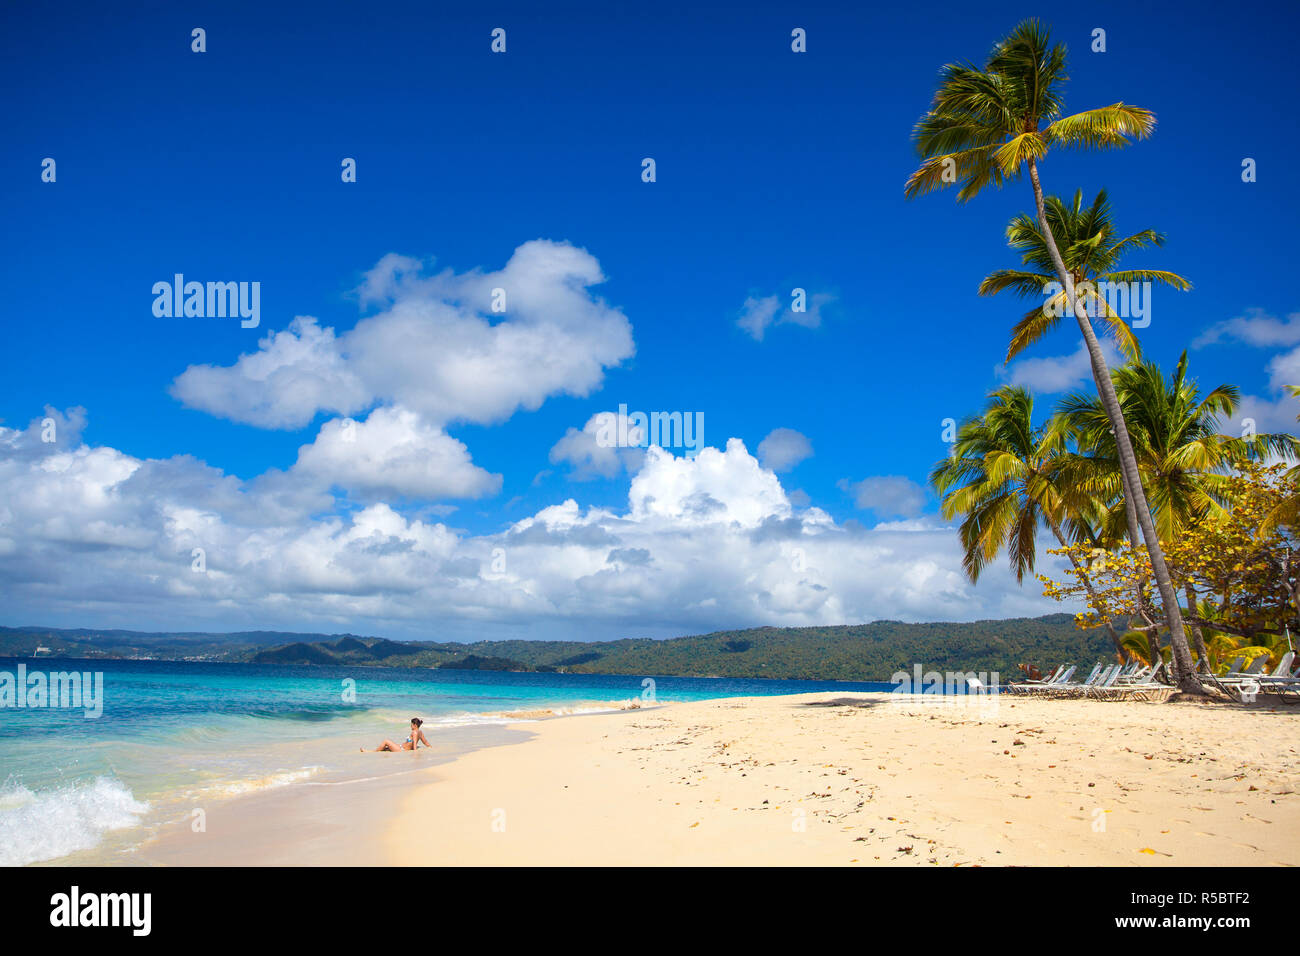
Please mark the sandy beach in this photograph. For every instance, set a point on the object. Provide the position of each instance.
(822, 779)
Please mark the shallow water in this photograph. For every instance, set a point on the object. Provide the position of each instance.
(176, 735)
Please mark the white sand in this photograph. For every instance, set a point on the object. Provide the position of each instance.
(840, 779)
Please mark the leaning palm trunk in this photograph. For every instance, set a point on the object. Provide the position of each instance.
(1182, 655)
(1087, 585)
(1139, 599)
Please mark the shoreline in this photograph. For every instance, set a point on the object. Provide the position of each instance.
(827, 778)
(336, 818)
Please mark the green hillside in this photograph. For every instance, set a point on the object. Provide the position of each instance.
(852, 652)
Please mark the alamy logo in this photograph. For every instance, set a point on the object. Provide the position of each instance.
(212, 300)
(102, 909)
(949, 688)
(67, 690)
(1124, 300)
(639, 430)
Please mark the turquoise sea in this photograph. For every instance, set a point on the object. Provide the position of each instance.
(175, 733)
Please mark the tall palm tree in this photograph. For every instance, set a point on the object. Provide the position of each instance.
(1091, 250)
(985, 127)
(1003, 478)
(1183, 456)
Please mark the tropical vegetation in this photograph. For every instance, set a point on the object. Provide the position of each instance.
(1130, 481)
(1227, 518)
(989, 124)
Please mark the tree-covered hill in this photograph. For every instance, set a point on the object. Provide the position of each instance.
(851, 652)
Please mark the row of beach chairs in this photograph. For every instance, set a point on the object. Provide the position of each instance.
(1110, 682)
(1242, 684)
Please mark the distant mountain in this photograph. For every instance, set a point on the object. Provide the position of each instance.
(300, 653)
(850, 652)
(346, 650)
(165, 645)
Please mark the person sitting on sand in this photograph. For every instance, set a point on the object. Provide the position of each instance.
(413, 740)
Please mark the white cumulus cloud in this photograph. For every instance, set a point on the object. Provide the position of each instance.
(715, 486)
(293, 375)
(437, 347)
(591, 453)
(393, 453)
(92, 535)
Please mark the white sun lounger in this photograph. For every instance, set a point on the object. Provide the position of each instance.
(1128, 684)
(1281, 680)
(1030, 686)
(1241, 685)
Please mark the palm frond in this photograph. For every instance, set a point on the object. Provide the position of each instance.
(1103, 128)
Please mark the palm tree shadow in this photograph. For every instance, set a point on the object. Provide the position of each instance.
(857, 702)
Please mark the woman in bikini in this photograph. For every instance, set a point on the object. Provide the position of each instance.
(413, 740)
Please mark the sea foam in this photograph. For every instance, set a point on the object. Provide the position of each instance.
(52, 823)
(238, 788)
(590, 707)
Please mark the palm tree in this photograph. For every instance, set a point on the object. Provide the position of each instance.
(986, 126)
(1182, 456)
(1002, 477)
(1091, 251)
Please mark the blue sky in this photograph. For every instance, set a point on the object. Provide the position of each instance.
(775, 170)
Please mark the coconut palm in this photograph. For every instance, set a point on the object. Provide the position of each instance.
(1139, 646)
(1182, 455)
(985, 127)
(1092, 251)
(1002, 478)
(1175, 434)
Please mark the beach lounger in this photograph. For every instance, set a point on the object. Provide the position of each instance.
(1062, 687)
(1106, 680)
(1283, 669)
(1281, 681)
(1077, 689)
(1059, 681)
(1151, 692)
(1139, 674)
(1029, 686)
(1240, 685)
(1282, 686)
(1127, 684)
(1256, 666)
(1064, 679)
(1056, 675)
